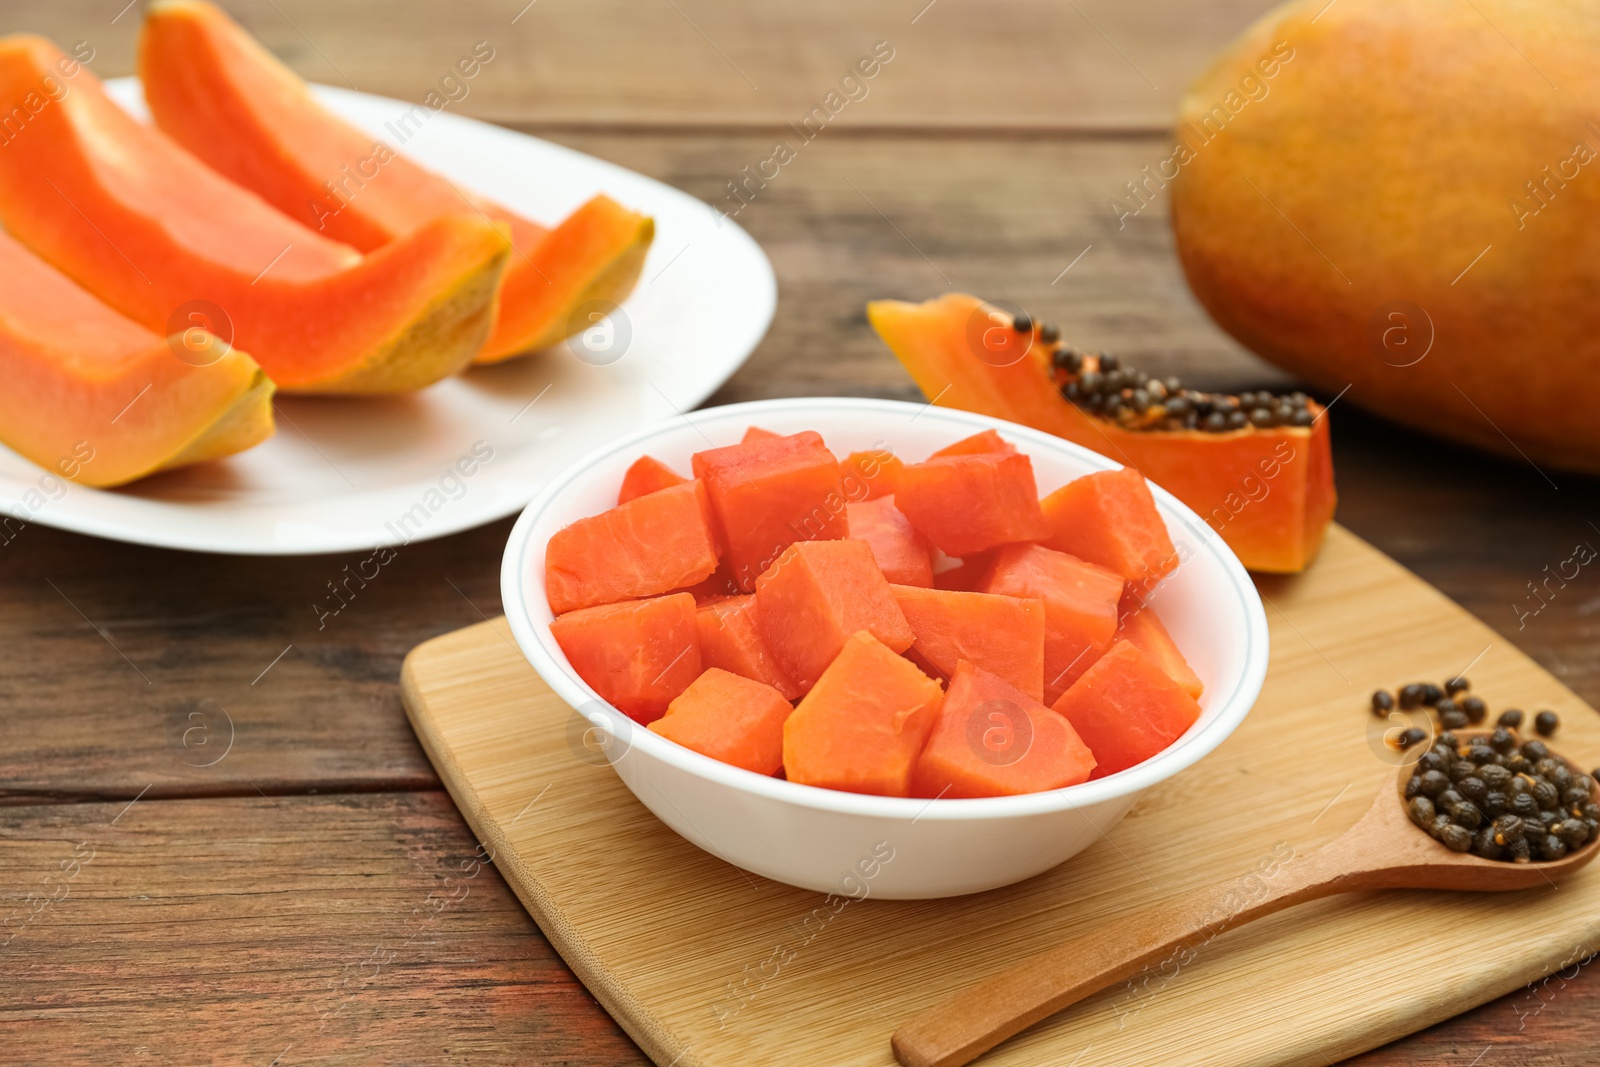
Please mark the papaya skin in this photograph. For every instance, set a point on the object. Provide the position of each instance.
(1400, 140)
(215, 90)
(1278, 533)
(149, 230)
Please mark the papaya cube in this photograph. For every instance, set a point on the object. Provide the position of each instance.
(1143, 628)
(1109, 518)
(967, 503)
(864, 722)
(904, 555)
(647, 475)
(992, 740)
(769, 493)
(967, 575)
(729, 640)
(638, 655)
(815, 596)
(729, 718)
(977, 444)
(651, 545)
(756, 433)
(1001, 635)
(1080, 606)
(869, 475)
(1126, 709)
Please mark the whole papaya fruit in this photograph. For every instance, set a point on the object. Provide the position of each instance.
(1403, 197)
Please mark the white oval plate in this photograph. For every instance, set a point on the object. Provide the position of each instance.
(346, 474)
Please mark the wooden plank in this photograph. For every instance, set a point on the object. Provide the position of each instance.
(672, 940)
(290, 930)
(201, 629)
(1032, 64)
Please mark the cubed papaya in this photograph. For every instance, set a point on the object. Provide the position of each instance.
(1143, 628)
(862, 725)
(966, 575)
(967, 503)
(1080, 606)
(1109, 518)
(651, 545)
(1001, 635)
(1126, 709)
(756, 433)
(638, 655)
(768, 494)
(870, 474)
(989, 441)
(990, 739)
(729, 640)
(904, 555)
(815, 596)
(647, 475)
(729, 718)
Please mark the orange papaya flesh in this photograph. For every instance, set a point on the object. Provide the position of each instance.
(768, 494)
(98, 399)
(869, 475)
(1143, 629)
(756, 433)
(1001, 635)
(815, 596)
(1109, 518)
(216, 91)
(989, 739)
(154, 233)
(1080, 607)
(902, 553)
(651, 545)
(638, 655)
(862, 725)
(1268, 492)
(647, 475)
(988, 441)
(729, 639)
(1126, 709)
(729, 718)
(968, 503)
(966, 574)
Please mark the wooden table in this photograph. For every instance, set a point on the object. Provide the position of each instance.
(221, 841)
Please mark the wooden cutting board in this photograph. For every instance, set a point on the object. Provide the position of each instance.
(704, 964)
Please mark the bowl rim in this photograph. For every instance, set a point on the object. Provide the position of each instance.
(1187, 751)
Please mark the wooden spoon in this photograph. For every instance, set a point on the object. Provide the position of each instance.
(1384, 850)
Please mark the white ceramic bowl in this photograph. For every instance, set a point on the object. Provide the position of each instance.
(891, 847)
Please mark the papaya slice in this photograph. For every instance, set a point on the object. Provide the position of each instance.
(863, 724)
(1126, 709)
(1110, 519)
(1143, 628)
(1266, 489)
(98, 399)
(638, 655)
(1002, 635)
(647, 475)
(869, 475)
(1080, 606)
(653, 544)
(768, 494)
(969, 502)
(989, 441)
(729, 718)
(153, 232)
(212, 88)
(730, 640)
(756, 433)
(815, 596)
(991, 740)
(902, 553)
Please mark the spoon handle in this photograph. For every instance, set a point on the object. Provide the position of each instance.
(1168, 938)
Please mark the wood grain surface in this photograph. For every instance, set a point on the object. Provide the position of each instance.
(982, 158)
(708, 967)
